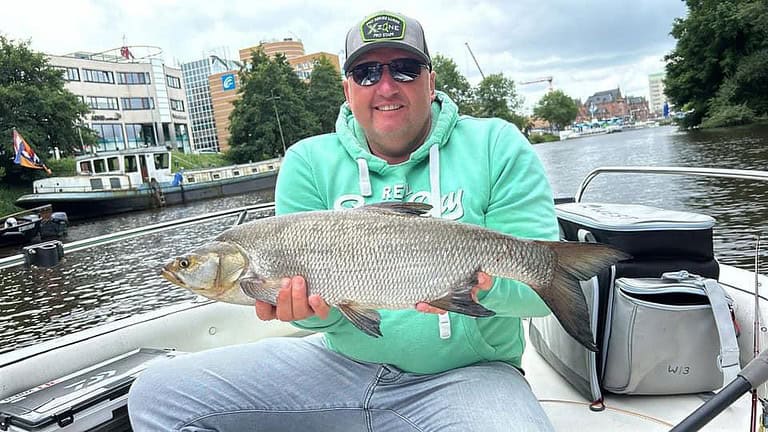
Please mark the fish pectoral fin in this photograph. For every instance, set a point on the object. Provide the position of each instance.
(259, 288)
(367, 320)
(459, 300)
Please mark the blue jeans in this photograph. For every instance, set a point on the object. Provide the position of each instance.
(297, 384)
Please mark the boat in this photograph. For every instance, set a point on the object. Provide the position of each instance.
(83, 378)
(38, 223)
(138, 179)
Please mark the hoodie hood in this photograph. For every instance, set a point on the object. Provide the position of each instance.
(445, 113)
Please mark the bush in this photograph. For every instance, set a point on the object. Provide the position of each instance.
(541, 138)
(723, 115)
(62, 167)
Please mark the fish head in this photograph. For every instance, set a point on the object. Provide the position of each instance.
(211, 271)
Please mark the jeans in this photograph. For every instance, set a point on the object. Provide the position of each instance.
(297, 384)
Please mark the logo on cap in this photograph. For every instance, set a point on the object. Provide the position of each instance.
(383, 27)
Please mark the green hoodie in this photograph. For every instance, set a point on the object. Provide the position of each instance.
(486, 173)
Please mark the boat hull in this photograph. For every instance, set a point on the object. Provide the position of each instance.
(80, 205)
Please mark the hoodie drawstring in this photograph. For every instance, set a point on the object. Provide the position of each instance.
(434, 181)
(444, 319)
(364, 178)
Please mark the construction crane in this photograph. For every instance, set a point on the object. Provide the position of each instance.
(538, 80)
(473, 58)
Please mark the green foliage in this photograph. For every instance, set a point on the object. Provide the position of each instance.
(62, 167)
(34, 101)
(268, 87)
(721, 43)
(192, 161)
(728, 115)
(450, 81)
(541, 138)
(325, 94)
(557, 108)
(9, 195)
(496, 97)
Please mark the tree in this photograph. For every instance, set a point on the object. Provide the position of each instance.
(451, 82)
(557, 108)
(34, 101)
(718, 65)
(496, 96)
(325, 94)
(268, 88)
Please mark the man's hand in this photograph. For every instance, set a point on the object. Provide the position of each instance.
(293, 303)
(484, 282)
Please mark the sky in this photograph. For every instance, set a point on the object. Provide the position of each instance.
(586, 46)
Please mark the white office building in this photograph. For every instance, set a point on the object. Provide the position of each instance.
(656, 92)
(135, 100)
(195, 76)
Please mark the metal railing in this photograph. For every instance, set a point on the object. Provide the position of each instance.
(696, 172)
(241, 212)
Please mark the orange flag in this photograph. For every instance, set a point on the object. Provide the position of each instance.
(25, 156)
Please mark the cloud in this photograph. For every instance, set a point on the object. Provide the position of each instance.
(586, 46)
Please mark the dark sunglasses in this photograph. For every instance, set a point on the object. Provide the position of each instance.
(401, 70)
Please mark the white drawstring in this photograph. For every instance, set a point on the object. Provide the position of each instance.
(365, 180)
(434, 181)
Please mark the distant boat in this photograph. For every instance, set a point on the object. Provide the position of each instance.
(138, 179)
(26, 226)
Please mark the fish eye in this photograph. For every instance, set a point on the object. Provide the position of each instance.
(183, 263)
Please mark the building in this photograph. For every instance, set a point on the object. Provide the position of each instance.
(656, 92)
(135, 101)
(223, 85)
(609, 105)
(198, 90)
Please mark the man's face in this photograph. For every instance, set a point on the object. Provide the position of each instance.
(396, 116)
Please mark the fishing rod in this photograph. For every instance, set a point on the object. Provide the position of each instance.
(749, 379)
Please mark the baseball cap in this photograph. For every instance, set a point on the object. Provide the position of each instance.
(386, 29)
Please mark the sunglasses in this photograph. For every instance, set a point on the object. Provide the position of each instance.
(401, 70)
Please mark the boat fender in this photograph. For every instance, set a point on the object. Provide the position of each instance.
(47, 254)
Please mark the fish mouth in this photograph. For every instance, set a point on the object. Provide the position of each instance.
(171, 277)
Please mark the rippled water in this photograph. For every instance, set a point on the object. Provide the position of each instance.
(115, 281)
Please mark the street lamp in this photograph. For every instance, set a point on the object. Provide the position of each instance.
(280, 128)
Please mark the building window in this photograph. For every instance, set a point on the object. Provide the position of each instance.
(139, 135)
(177, 105)
(133, 78)
(98, 76)
(102, 103)
(110, 136)
(69, 73)
(173, 81)
(138, 103)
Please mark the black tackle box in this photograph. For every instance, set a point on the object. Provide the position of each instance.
(642, 231)
(93, 399)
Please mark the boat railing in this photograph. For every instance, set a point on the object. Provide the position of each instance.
(685, 171)
(240, 212)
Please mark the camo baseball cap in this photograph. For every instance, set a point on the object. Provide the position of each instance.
(386, 29)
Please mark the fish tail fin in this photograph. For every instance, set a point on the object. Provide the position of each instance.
(564, 296)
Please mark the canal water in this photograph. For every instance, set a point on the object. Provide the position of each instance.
(119, 280)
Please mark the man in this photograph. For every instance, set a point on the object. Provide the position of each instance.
(396, 139)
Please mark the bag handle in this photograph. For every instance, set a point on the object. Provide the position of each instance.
(728, 360)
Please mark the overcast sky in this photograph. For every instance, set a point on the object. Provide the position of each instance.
(587, 46)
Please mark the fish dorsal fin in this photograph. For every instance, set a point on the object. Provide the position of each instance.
(399, 207)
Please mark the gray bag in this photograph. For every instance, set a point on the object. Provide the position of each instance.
(671, 335)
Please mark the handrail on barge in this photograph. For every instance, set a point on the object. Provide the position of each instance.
(241, 212)
(700, 172)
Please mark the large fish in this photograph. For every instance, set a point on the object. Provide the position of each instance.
(389, 256)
